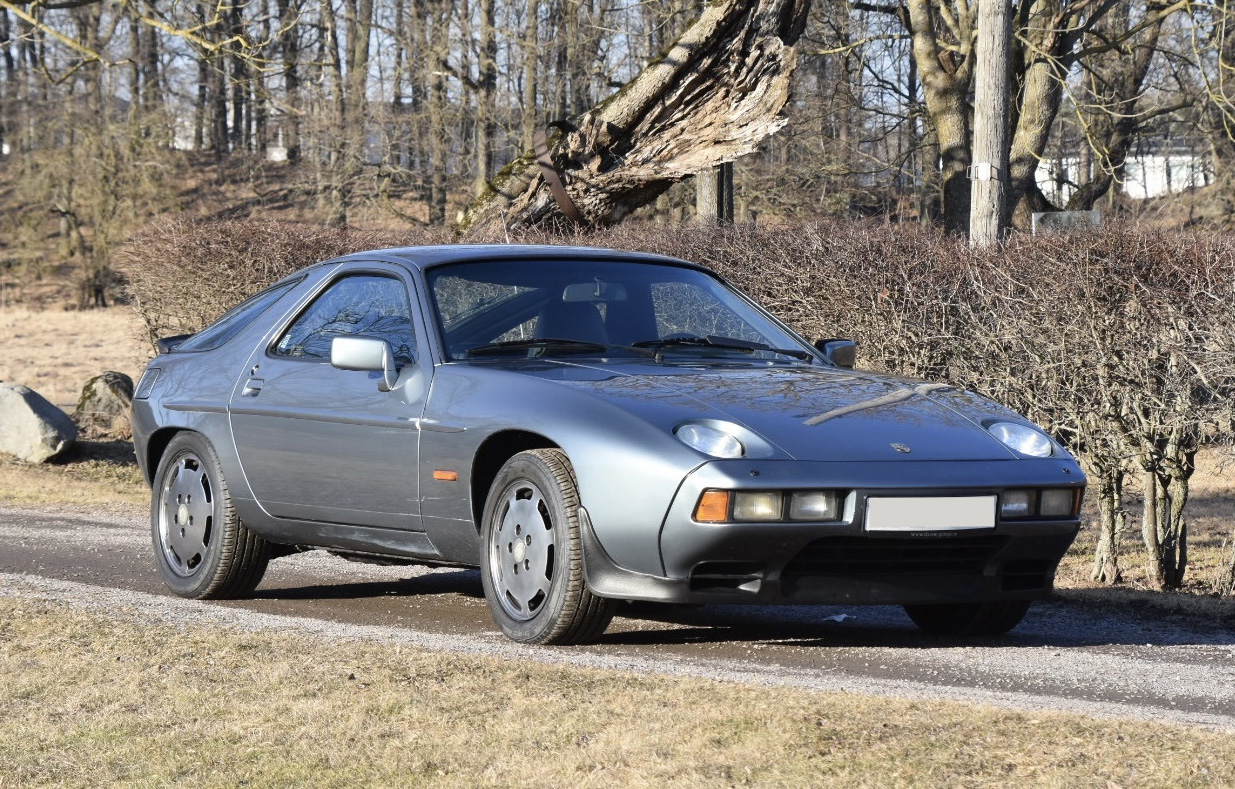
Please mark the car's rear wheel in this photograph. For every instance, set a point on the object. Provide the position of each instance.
(969, 619)
(531, 556)
(201, 547)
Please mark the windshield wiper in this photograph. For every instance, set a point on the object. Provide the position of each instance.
(549, 344)
(721, 343)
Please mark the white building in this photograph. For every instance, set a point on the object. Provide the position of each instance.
(1150, 173)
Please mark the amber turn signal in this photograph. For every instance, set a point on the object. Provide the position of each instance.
(713, 506)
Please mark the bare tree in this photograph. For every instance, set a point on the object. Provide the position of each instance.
(988, 212)
(712, 97)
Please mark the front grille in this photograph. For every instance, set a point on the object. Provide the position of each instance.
(892, 556)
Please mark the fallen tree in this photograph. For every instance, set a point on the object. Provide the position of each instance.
(710, 99)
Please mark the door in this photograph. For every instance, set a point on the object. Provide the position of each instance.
(322, 444)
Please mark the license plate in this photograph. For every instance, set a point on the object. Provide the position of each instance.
(930, 513)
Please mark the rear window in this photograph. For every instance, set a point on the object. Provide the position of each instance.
(235, 320)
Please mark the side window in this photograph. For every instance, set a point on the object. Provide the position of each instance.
(367, 304)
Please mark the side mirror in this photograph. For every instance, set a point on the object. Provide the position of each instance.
(842, 353)
(367, 354)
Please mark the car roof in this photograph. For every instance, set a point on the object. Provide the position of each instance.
(426, 256)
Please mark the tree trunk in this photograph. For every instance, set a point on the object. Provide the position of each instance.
(714, 195)
(531, 72)
(1111, 520)
(1118, 83)
(1164, 527)
(1227, 587)
(486, 110)
(945, 76)
(439, 44)
(710, 99)
(988, 215)
(240, 138)
(1046, 38)
(289, 15)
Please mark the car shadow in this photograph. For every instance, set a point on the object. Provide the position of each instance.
(1048, 624)
(1053, 623)
(450, 582)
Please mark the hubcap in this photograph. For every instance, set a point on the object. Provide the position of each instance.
(186, 515)
(521, 551)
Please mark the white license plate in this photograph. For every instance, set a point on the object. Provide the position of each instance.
(930, 513)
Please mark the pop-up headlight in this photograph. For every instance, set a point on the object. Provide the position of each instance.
(1022, 438)
(710, 440)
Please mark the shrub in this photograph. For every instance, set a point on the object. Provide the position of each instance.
(182, 274)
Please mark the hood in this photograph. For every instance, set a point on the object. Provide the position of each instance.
(808, 412)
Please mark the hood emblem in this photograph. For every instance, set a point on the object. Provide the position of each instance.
(901, 448)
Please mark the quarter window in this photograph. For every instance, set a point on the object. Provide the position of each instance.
(234, 321)
(366, 305)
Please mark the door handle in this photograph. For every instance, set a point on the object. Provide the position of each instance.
(252, 387)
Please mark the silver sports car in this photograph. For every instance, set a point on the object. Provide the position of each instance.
(586, 426)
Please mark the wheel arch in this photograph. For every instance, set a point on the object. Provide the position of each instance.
(156, 445)
(491, 455)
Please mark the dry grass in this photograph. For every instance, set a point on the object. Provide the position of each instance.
(1211, 528)
(90, 702)
(91, 474)
(54, 352)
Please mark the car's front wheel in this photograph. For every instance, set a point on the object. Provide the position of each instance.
(201, 547)
(532, 558)
(969, 619)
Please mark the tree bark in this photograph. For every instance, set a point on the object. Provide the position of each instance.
(1111, 520)
(486, 109)
(708, 100)
(531, 71)
(946, 74)
(714, 195)
(439, 45)
(289, 47)
(988, 209)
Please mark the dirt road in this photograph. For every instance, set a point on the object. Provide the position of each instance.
(1062, 657)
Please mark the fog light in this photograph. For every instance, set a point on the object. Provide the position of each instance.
(813, 505)
(1057, 503)
(1017, 504)
(757, 506)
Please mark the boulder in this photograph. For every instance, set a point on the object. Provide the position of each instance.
(30, 427)
(103, 408)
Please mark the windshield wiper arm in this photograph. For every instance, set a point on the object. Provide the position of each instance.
(549, 344)
(722, 343)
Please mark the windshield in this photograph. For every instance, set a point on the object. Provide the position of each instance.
(599, 307)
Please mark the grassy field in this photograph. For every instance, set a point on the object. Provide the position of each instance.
(88, 702)
(54, 352)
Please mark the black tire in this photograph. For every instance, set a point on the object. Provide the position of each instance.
(202, 549)
(531, 557)
(969, 619)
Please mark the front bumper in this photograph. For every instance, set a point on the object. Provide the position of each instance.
(820, 563)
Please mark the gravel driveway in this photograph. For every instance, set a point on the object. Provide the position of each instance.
(1063, 657)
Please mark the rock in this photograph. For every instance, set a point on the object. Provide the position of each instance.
(30, 427)
(103, 408)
